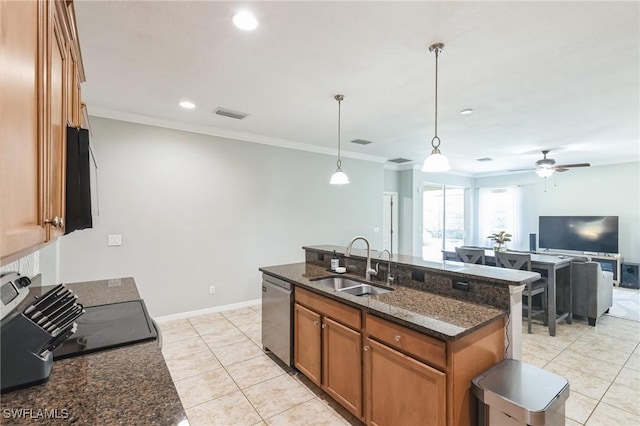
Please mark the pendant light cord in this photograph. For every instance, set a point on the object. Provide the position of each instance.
(436, 115)
(436, 48)
(339, 98)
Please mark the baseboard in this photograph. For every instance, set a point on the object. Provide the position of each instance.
(189, 314)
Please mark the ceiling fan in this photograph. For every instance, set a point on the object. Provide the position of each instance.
(546, 166)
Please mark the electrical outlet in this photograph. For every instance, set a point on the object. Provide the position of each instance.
(376, 230)
(212, 289)
(114, 240)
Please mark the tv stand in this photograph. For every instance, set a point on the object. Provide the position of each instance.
(609, 262)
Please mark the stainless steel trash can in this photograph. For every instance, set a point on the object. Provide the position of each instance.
(515, 393)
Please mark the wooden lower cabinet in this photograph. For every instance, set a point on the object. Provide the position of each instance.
(401, 390)
(342, 365)
(307, 349)
(387, 374)
(328, 347)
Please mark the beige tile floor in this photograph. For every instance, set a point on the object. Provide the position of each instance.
(223, 376)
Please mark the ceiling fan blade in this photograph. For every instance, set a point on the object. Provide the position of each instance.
(567, 166)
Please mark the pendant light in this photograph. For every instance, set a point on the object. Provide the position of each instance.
(436, 162)
(339, 177)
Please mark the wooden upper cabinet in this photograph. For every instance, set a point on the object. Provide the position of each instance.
(40, 81)
(58, 128)
(22, 125)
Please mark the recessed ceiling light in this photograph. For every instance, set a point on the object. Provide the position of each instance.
(187, 105)
(466, 111)
(245, 21)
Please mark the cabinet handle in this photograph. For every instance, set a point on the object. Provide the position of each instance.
(398, 338)
(324, 325)
(315, 322)
(56, 222)
(366, 348)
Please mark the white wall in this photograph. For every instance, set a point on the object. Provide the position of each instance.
(196, 210)
(612, 190)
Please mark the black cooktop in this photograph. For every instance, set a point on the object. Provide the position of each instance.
(108, 326)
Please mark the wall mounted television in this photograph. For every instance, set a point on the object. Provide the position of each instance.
(596, 234)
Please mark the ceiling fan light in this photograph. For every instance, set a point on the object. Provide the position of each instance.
(544, 172)
(436, 162)
(339, 178)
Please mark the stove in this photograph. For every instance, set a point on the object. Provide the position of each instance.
(108, 326)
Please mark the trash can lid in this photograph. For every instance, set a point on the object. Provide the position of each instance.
(524, 385)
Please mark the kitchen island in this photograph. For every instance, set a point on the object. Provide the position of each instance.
(406, 356)
(126, 385)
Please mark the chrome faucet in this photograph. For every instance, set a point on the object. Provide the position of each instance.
(389, 276)
(368, 271)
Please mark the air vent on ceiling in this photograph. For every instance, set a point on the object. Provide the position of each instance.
(399, 160)
(484, 160)
(230, 113)
(361, 142)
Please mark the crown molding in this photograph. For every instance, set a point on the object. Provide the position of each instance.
(228, 134)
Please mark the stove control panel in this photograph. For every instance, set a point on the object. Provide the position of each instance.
(13, 289)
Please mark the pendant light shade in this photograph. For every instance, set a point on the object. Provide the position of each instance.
(436, 162)
(339, 177)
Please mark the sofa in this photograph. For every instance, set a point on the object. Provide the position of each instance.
(592, 289)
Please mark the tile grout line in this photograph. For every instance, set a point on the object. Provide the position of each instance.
(284, 372)
(599, 400)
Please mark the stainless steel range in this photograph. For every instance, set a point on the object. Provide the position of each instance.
(53, 326)
(30, 332)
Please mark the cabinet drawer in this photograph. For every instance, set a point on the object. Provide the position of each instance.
(411, 342)
(330, 308)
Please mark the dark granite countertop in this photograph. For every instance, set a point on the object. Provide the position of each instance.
(441, 317)
(130, 385)
(453, 268)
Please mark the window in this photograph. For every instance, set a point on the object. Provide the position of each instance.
(443, 220)
(497, 211)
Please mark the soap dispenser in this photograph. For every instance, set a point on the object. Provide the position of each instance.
(335, 262)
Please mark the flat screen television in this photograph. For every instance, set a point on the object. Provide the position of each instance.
(596, 234)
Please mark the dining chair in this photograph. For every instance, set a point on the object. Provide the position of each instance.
(522, 261)
(470, 255)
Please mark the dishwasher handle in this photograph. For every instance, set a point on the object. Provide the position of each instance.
(275, 281)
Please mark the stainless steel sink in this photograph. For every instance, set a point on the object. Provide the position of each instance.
(348, 285)
(366, 290)
(338, 283)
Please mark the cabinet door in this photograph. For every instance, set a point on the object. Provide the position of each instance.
(21, 129)
(58, 126)
(307, 343)
(401, 390)
(342, 365)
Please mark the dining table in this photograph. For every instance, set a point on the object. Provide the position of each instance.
(556, 269)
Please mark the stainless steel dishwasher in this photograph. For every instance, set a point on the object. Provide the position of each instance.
(277, 301)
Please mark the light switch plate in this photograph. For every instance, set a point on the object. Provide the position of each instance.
(114, 240)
